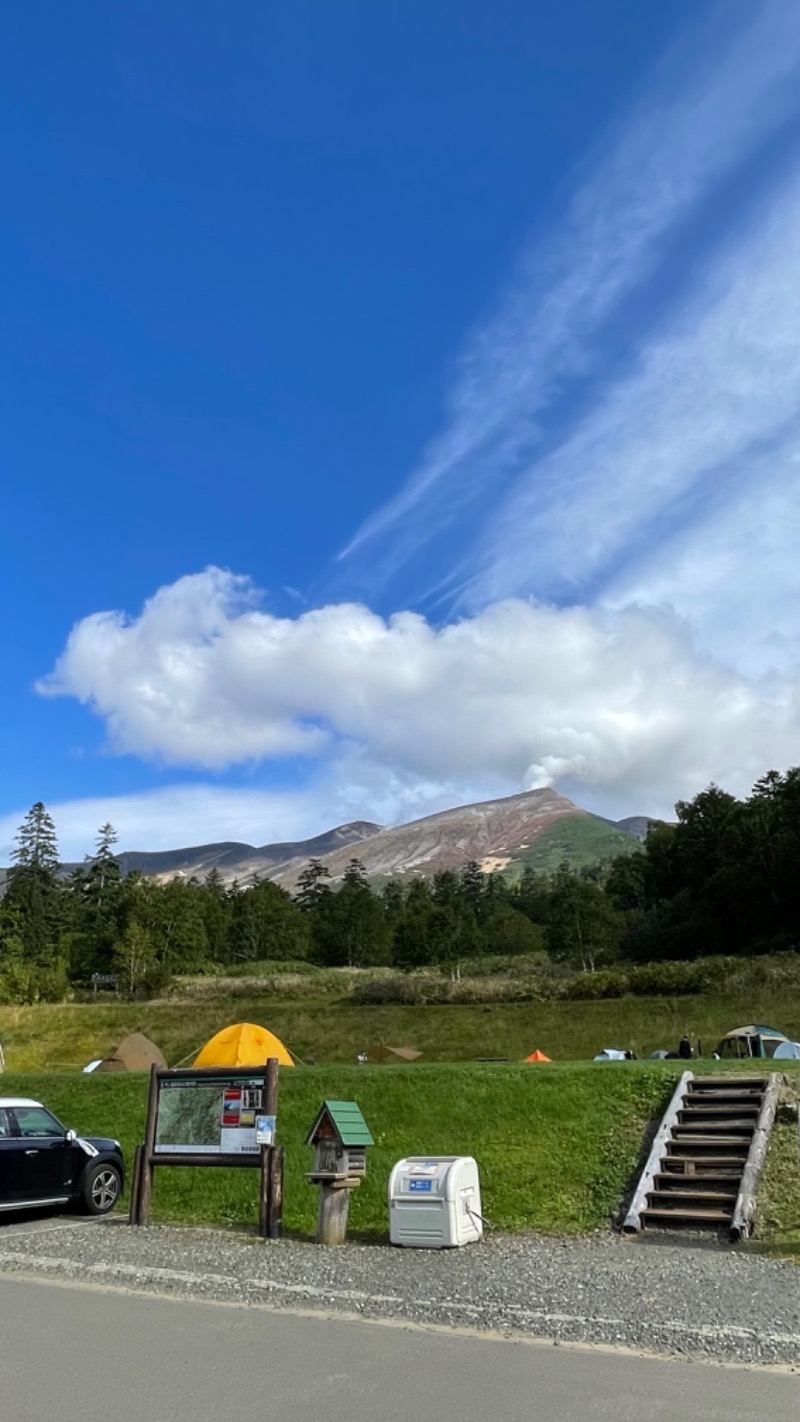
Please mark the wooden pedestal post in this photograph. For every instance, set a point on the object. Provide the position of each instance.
(136, 1185)
(334, 1206)
(142, 1193)
(270, 1207)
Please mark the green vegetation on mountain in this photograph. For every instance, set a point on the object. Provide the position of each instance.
(581, 841)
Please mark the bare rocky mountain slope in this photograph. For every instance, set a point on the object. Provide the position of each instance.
(496, 833)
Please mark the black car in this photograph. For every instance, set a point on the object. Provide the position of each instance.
(42, 1163)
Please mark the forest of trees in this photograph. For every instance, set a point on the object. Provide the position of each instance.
(722, 879)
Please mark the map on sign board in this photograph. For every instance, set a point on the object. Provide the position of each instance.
(203, 1116)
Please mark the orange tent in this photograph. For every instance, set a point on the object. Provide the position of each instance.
(537, 1056)
(243, 1044)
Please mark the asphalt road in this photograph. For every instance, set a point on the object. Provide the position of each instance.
(83, 1355)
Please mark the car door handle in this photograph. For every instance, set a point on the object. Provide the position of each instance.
(31, 1152)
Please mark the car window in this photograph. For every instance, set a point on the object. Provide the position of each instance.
(35, 1121)
(5, 1129)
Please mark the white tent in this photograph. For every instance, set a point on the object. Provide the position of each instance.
(787, 1051)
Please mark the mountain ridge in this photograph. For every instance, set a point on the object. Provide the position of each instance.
(537, 828)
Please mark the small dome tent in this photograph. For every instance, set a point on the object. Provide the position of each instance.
(134, 1053)
(243, 1044)
(381, 1053)
(787, 1052)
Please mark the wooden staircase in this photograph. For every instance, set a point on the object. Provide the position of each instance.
(704, 1165)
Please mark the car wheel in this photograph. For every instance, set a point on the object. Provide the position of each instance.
(101, 1189)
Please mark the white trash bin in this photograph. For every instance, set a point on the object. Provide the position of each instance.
(435, 1202)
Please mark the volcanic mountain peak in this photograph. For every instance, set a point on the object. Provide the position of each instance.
(493, 832)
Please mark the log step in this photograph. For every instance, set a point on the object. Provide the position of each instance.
(727, 1130)
(728, 1083)
(694, 1141)
(665, 1198)
(750, 1093)
(673, 1183)
(728, 1166)
(720, 1108)
(700, 1217)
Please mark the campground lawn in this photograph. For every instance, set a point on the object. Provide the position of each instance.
(65, 1036)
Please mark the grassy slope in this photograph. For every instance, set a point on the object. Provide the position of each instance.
(66, 1036)
(778, 1218)
(556, 1145)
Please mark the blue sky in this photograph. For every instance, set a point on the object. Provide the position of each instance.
(400, 405)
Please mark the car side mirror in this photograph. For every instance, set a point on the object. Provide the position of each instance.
(71, 1137)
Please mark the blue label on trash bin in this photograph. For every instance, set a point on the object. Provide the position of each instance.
(423, 1186)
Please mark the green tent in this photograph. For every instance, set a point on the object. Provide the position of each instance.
(751, 1041)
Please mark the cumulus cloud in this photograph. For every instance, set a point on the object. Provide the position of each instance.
(520, 695)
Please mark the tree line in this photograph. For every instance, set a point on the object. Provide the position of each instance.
(722, 879)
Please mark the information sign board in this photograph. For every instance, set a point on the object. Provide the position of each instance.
(208, 1115)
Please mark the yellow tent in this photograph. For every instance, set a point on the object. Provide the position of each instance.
(243, 1044)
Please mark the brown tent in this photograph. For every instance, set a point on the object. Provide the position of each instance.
(393, 1054)
(134, 1053)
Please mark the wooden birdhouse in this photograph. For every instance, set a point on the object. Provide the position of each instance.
(340, 1137)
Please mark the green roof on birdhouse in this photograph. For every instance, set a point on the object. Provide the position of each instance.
(347, 1121)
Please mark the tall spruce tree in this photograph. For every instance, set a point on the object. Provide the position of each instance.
(98, 888)
(312, 886)
(33, 887)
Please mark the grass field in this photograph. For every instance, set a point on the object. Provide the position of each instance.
(65, 1036)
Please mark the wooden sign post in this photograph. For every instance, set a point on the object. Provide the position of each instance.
(340, 1136)
(212, 1116)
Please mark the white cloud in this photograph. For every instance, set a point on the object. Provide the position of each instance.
(399, 714)
(701, 119)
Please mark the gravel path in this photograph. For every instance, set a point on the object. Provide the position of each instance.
(675, 1298)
